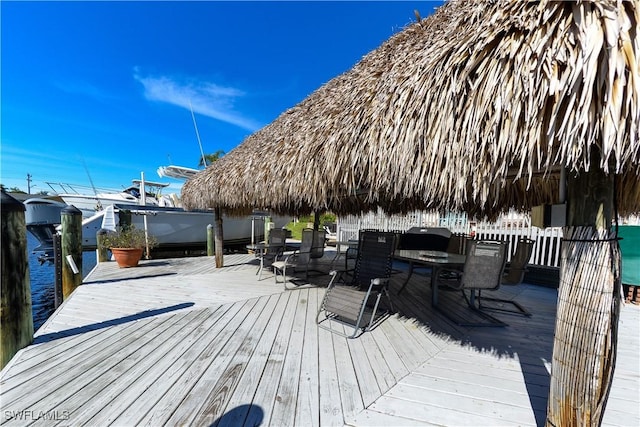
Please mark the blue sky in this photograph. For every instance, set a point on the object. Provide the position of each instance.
(100, 91)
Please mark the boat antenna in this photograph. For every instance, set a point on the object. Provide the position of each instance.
(204, 160)
(93, 187)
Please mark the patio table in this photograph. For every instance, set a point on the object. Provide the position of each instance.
(436, 260)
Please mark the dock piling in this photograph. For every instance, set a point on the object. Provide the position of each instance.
(71, 220)
(15, 310)
(102, 253)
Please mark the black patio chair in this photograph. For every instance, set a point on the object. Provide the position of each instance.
(483, 271)
(514, 275)
(311, 249)
(355, 299)
(274, 249)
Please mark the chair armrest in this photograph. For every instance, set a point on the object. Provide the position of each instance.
(378, 283)
(334, 274)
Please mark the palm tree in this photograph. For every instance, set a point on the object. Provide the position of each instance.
(210, 158)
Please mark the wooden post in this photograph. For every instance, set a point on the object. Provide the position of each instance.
(267, 228)
(219, 239)
(210, 240)
(57, 268)
(71, 221)
(316, 220)
(585, 339)
(15, 312)
(102, 253)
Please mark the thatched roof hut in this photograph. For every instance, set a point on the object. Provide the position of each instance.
(477, 107)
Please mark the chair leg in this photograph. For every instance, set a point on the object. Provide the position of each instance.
(284, 275)
(388, 295)
(518, 308)
(373, 313)
(471, 302)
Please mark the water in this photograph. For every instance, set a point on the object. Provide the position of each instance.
(43, 281)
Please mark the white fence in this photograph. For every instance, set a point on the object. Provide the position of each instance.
(546, 250)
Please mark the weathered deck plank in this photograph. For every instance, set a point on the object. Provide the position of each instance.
(237, 409)
(307, 411)
(206, 399)
(153, 354)
(329, 383)
(180, 342)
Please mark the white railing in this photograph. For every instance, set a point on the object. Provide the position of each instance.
(546, 250)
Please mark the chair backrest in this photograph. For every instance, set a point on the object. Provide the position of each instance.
(312, 245)
(277, 239)
(519, 261)
(375, 257)
(319, 239)
(458, 243)
(484, 265)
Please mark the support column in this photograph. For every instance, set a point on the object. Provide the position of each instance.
(15, 311)
(585, 340)
(219, 239)
(71, 221)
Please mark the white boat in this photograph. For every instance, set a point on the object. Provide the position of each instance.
(89, 204)
(177, 228)
(171, 225)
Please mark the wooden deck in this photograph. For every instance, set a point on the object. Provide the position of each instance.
(178, 342)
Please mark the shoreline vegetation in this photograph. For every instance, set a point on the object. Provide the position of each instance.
(296, 227)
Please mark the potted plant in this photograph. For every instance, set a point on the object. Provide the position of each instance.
(127, 244)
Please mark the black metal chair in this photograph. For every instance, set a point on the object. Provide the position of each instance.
(458, 243)
(355, 299)
(311, 249)
(514, 275)
(275, 248)
(483, 271)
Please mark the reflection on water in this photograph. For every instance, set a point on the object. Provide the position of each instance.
(43, 281)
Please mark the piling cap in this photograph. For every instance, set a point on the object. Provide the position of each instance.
(71, 210)
(10, 204)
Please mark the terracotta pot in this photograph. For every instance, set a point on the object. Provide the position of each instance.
(127, 257)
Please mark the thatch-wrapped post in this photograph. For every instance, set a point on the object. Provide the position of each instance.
(219, 239)
(71, 221)
(15, 311)
(585, 337)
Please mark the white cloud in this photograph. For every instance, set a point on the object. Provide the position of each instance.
(205, 98)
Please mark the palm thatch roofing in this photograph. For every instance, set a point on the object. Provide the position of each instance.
(476, 108)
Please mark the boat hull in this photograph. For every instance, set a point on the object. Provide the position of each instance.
(174, 228)
(177, 228)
